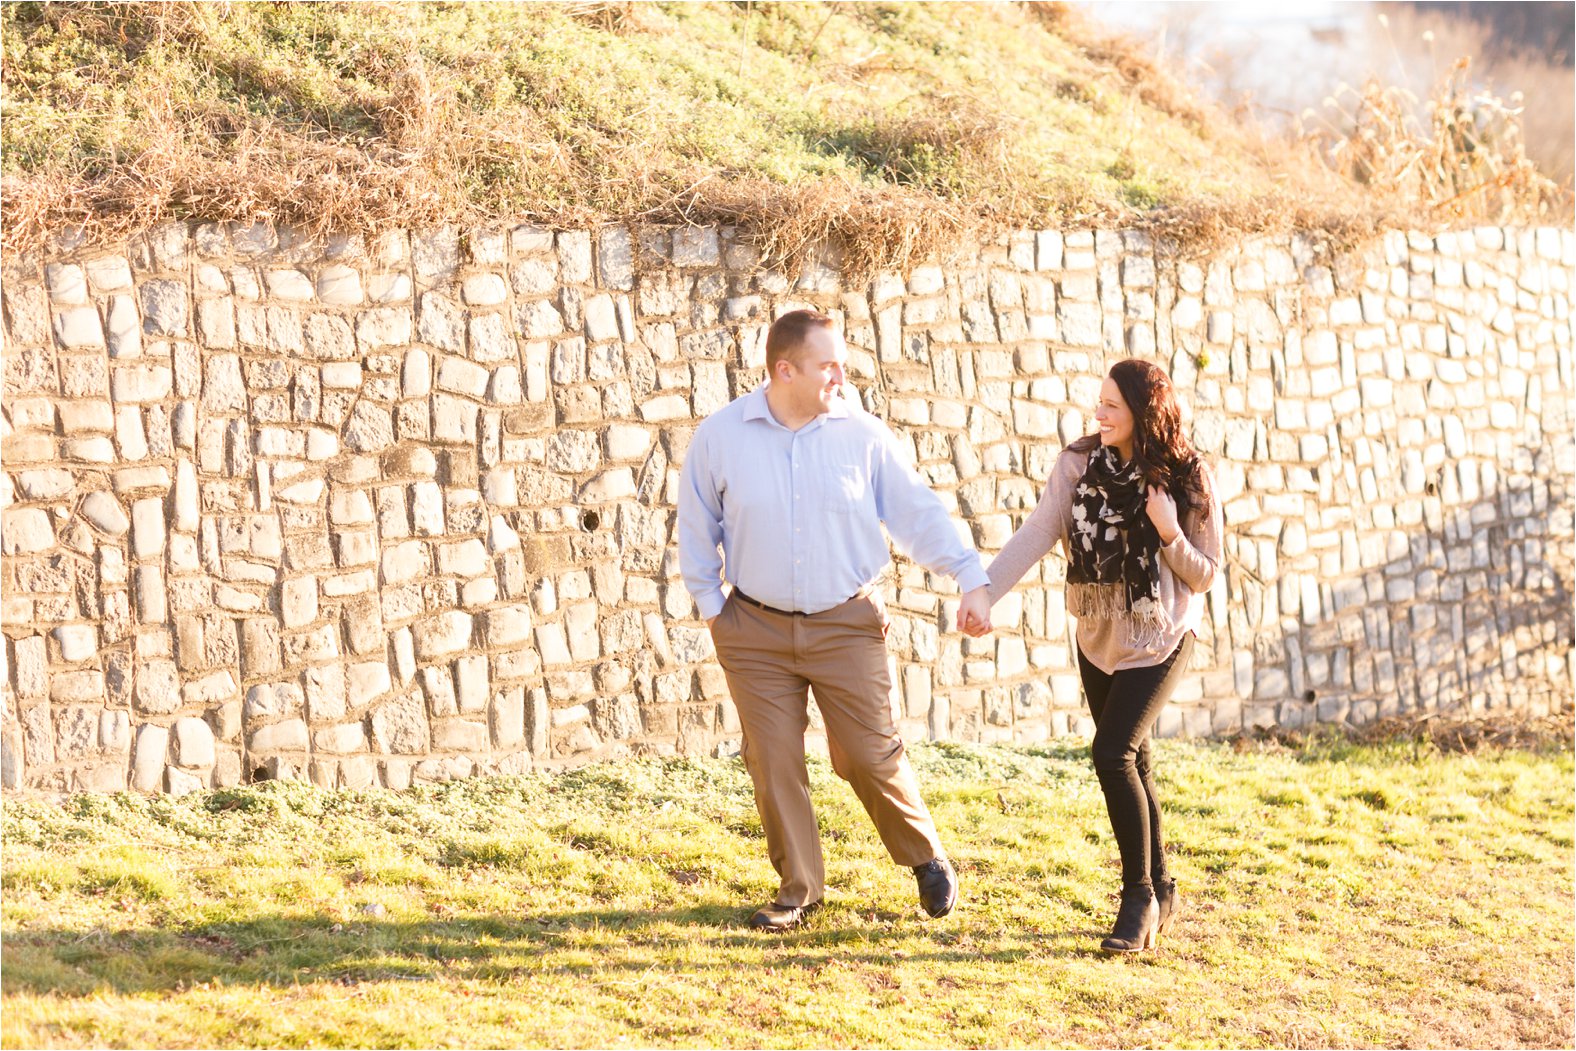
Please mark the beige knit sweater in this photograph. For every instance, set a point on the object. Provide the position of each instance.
(1187, 569)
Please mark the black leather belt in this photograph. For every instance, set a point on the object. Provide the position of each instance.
(742, 597)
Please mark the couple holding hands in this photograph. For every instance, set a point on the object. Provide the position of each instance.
(783, 496)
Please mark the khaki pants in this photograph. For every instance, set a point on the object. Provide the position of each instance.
(772, 660)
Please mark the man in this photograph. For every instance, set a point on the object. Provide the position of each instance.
(794, 484)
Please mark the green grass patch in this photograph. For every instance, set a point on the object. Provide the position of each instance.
(1341, 895)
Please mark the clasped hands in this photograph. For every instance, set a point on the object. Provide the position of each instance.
(974, 613)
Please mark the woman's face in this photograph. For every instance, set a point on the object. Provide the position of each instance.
(1115, 419)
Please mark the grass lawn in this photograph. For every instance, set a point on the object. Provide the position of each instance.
(1340, 895)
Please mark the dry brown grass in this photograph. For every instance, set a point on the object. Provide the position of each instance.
(1424, 42)
(1468, 163)
(1155, 84)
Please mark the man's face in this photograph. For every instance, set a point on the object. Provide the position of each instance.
(813, 375)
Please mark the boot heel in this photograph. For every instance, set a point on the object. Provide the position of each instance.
(1137, 922)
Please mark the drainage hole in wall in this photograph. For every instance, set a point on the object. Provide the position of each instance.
(1309, 697)
(589, 520)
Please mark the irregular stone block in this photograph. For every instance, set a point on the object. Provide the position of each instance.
(538, 319)
(696, 246)
(26, 531)
(341, 739)
(125, 328)
(140, 384)
(491, 339)
(288, 736)
(441, 323)
(114, 732)
(484, 290)
(370, 429)
(79, 329)
(158, 687)
(47, 484)
(509, 626)
(147, 767)
(366, 682)
(104, 513)
(462, 377)
(147, 527)
(400, 726)
(209, 689)
(459, 735)
(30, 666)
(290, 285)
(259, 648)
(193, 743)
(339, 286)
(164, 308)
(471, 688)
(383, 327)
(443, 635)
(77, 642)
(76, 732)
(427, 510)
(180, 782)
(615, 259)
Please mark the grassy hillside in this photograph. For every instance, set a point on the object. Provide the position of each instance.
(890, 128)
(1340, 896)
(892, 125)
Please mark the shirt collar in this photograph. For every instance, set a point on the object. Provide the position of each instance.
(755, 407)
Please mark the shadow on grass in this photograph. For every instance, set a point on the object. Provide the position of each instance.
(289, 951)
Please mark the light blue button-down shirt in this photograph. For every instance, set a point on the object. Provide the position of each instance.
(798, 514)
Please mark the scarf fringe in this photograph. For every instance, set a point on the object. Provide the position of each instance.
(1109, 601)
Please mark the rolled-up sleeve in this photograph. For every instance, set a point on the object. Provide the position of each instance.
(918, 522)
(700, 529)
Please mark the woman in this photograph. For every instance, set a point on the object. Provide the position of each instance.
(1135, 510)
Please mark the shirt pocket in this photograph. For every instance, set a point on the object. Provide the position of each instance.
(846, 490)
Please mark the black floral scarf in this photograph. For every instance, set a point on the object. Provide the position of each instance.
(1114, 550)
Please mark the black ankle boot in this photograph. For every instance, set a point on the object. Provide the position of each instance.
(1136, 921)
(1169, 901)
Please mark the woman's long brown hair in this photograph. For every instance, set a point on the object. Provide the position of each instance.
(1164, 455)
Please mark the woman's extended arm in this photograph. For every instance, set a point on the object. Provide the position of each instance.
(1046, 524)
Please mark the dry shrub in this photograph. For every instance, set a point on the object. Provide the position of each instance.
(609, 16)
(1508, 55)
(861, 229)
(1205, 224)
(1468, 163)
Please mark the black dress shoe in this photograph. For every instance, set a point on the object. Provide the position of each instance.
(775, 917)
(938, 886)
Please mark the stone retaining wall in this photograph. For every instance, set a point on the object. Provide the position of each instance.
(395, 509)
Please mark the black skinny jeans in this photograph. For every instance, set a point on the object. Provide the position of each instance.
(1125, 706)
